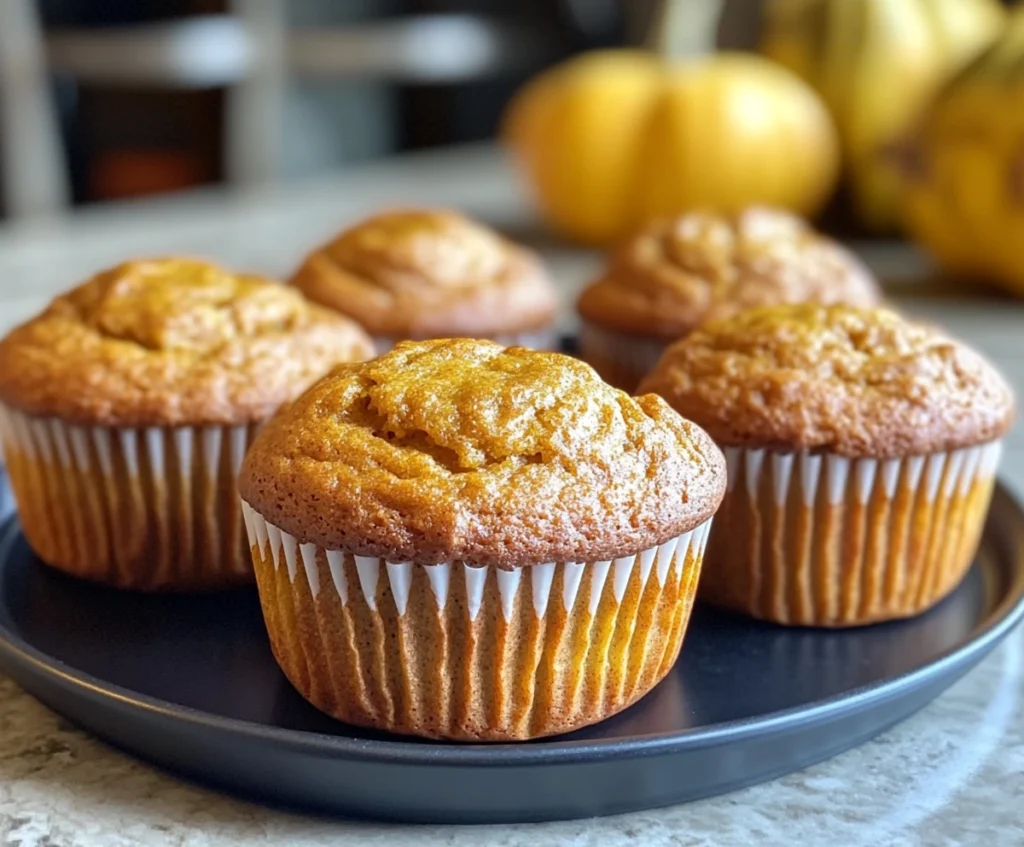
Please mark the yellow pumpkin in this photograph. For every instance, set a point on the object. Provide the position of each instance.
(964, 189)
(612, 138)
(877, 63)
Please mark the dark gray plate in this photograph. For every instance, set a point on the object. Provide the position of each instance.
(6, 497)
(189, 683)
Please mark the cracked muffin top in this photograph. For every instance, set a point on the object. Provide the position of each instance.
(170, 342)
(677, 273)
(426, 273)
(462, 450)
(856, 382)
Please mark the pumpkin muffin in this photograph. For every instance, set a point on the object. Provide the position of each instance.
(862, 452)
(126, 407)
(428, 273)
(677, 273)
(461, 540)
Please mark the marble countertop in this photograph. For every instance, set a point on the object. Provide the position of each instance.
(953, 774)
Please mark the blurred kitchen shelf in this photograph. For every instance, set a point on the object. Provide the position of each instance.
(221, 50)
(253, 54)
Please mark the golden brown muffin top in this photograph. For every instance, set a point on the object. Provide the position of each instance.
(172, 342)
(677, 273)
(428, 274)
(462, 450)
(857, 382)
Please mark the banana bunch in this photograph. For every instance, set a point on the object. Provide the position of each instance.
(964, 197)
(876, 64)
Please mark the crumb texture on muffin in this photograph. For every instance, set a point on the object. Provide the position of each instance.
(172, 341)
(429, 273)
(677, 273)
(854, 382)
(461, 450)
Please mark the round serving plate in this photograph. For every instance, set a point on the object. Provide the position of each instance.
(6, 496)
(188, 682)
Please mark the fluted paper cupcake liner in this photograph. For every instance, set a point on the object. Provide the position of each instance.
(621, 360)
(543, 339)
(824, 540)
(474, 653)
(150, 508)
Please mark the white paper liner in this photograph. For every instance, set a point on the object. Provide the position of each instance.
(542, 339)
(958, 469)
(143, 507)
(534, 583)
(850, 566)
(634, 355)
(473, 653)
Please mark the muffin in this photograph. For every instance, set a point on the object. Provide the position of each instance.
(465, 541)
(427, 273)
(862, 451)
(126, 406)
(678, 273)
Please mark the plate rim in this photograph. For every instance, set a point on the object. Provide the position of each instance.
(985, 635)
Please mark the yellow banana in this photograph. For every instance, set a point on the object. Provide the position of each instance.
(964, 195)
(877, 63)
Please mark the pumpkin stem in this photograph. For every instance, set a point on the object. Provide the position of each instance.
(1017, 177)
(685, 29)
(907, 157)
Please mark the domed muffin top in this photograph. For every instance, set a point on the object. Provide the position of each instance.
(172, 341)
(678, 273)
(426, 274)
(857, 382)
(462, 450)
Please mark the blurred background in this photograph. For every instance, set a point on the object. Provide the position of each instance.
(114, 99)
(158, 96)
(118, 98)
(888, 120)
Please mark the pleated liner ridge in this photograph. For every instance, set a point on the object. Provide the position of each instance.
(473, 653)
(621, 360)
(823, 540)
(151, 508)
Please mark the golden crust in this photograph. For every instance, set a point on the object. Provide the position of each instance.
(857, 382)
(171, 342)
(678, 273)
(461, 450)
(429, 274)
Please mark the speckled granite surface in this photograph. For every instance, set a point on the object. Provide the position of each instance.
(951, 775)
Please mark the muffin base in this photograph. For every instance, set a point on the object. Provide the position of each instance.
(823, 540)
(149, 509)
(460, 652)
(620, 360)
